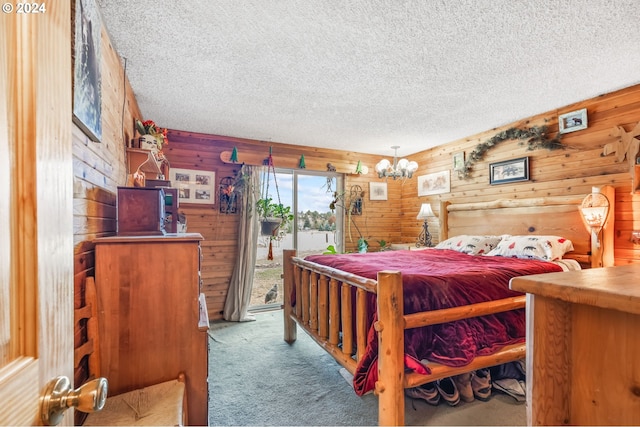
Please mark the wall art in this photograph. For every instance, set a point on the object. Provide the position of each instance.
(194, 186)
(434, 183)
(87, 80)
(509, 171)
(458, 161)
(573, 121)
(377, 191)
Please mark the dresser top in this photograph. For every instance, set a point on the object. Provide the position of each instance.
(610, 287)
(169, 237)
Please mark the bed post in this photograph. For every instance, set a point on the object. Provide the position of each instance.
(290, 331)
(444, 221)
(390, 327)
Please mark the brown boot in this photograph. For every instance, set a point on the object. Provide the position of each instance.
(463, 383)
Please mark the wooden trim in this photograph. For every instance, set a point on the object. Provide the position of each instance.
(178, 237)
(516, 203)
(390, 327)
(428, 318)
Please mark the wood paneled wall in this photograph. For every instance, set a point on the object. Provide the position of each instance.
(574, 170)
(188, 150)
(100, 167)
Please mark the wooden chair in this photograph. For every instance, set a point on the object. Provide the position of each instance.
(159, 404)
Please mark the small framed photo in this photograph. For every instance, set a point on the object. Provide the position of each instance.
(573, 121)
(194, 186)
(377, 191)
(509, 171)
(458, 161)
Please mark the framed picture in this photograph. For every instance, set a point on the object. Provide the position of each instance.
(194, 186)
(434, 183)
(509, 171)
(87, 80)
(458, 161)
(573, 121)
(377, 191)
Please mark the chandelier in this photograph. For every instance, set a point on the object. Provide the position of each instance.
(402, 168)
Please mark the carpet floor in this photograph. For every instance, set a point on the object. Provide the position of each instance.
(256, 378)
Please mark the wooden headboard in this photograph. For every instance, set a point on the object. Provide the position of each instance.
(556, 215)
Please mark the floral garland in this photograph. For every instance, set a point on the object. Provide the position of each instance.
(536, 137)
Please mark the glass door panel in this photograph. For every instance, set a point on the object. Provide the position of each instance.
(314, 229)
(267, 284)
(319, 229)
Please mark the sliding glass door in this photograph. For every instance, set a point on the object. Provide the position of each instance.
(315, 227)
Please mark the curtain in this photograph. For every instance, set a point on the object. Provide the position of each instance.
(236, 305)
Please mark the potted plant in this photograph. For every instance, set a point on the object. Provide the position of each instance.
(272, 215)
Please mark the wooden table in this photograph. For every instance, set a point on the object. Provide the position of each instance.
(583, 346)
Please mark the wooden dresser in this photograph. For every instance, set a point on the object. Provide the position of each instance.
(583, 346)
(148, 291)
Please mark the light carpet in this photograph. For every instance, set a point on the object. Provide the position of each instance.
(256, 378)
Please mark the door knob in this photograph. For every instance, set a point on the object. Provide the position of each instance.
(58, 396)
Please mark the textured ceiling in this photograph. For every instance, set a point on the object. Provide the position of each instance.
(365, 75)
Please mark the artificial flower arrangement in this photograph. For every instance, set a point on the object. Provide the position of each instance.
(148, 127)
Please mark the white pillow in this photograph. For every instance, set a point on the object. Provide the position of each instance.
(547, 248)
(472, 245)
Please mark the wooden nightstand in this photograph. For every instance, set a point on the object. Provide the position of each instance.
(582, 346)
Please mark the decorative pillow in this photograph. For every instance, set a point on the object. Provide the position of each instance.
(547, 248)
(472, 245)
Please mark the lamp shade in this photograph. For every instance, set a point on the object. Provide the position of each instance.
(425, 211)
(594, 210)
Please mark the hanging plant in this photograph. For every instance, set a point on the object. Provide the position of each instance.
(534, 138)
(271, 212)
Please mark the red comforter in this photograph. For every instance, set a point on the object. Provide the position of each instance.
(435, 279)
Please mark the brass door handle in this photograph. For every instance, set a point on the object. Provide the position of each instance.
(59, 396)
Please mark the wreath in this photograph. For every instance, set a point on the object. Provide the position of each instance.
(536, 137)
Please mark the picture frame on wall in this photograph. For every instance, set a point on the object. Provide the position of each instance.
(573, 121)
(513, 170)
(434, 183)
(194, 186)
(377, 191)
(458, 161)
(87, 76)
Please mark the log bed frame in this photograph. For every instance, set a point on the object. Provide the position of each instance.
(321, 291)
